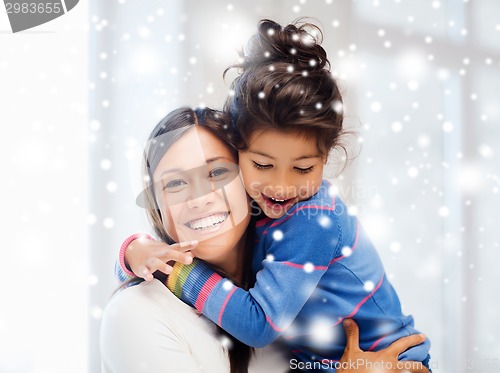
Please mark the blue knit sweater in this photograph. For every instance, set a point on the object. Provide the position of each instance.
(314, 267)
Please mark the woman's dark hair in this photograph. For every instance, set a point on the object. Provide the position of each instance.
(285, 84)
(163, 136)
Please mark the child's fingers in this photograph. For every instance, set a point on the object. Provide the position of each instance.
(184, 246)
(155, 264)
(402, 344)
(352, 334)
(178, 256)
(145, 273)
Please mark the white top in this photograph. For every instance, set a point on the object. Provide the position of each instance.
(146, 328)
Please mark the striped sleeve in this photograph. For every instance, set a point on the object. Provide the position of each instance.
(122, 272)
(298, 256)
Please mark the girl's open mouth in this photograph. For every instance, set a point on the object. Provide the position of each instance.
(278, 204)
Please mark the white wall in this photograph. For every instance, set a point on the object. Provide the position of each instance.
(44, 184)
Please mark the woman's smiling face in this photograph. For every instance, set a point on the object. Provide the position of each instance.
(200, 194)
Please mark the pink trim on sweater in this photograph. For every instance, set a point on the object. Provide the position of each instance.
(363, 301)
(272, 324)
(315, 268)
(123, 248)
(262, 222)
(206, 290)
(356, 309)
(221, 312)
(375, 344)
(276, 223)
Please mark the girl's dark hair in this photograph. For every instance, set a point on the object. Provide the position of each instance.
(163, 136)
(285, 84)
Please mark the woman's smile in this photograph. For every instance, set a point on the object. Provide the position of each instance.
(208, 224)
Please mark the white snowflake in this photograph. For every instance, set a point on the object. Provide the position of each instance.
(226, 342)
(105, 164)
(111, 187)
(395, 246)
(278, 235)
(444, 211)
(324, 221)
(346, 251)
(93, 280)
(96, 312)
(108, 223)
(321, 331)
(369, 285)
(227, 285)
(413, 172)
(308, 267)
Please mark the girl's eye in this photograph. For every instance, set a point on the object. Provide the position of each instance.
(261, 166)
(304, 170)
(174, 184)
(218, 173)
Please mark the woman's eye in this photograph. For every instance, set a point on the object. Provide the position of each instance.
(261, 166)
(304, 170)
(175, 184)
(218, 173)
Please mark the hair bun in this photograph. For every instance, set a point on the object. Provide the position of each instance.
(297, 45)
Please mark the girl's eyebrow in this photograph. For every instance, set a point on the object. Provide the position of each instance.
(260, 153)
(307, 157)
(296, 159)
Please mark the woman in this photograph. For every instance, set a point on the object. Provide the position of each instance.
(195, 192)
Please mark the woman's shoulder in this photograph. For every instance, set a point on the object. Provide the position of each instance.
(153, 298)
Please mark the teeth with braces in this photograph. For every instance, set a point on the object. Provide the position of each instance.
(208, 222)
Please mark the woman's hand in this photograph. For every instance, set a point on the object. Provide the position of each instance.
(146, 256)
(383, 361)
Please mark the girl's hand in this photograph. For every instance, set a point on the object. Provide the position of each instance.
(145, 256)
(384, 361)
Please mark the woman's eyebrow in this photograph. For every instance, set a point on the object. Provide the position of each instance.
(170, 171)
(209, 160)
(214, 159)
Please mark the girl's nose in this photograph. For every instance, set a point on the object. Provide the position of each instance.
(282, 186)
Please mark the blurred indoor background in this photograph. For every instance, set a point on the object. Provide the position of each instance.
(420, 82)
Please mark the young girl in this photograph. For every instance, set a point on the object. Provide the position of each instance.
(313, 262)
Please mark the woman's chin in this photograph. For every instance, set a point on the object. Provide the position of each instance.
(216, 247)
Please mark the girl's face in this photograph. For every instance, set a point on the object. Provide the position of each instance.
(200, 194)
(280, 169)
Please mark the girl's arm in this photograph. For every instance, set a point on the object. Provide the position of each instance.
(140, 256)
(289, 276)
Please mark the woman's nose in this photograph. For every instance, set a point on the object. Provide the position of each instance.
(202, 195)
